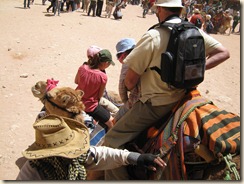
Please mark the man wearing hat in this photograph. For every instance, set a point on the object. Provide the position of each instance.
(236, 20)
(62, 151)
(92, 80)
(157, 98)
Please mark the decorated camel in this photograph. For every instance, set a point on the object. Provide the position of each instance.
(63, 101)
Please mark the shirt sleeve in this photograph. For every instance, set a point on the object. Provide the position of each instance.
(28, 173)
(141, 56)
(122, 89)
(210, 42)
(103, 158)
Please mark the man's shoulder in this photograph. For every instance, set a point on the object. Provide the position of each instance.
(154, 31)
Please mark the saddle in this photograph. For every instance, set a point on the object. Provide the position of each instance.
(194, 136)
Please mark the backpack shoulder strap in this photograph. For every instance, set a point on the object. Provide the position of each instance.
(166, 25)
(157, 69)
(161, 23)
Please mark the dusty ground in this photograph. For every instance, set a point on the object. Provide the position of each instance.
(37, 46)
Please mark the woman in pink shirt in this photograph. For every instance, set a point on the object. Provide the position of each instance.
(92, 80)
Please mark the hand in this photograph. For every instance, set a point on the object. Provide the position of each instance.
(150, 161)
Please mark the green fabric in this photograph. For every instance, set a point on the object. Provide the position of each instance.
(60, 168)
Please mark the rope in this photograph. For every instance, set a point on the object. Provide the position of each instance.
(231, 166)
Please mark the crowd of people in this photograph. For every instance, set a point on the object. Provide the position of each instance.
(211, 15)
(61, 150)
(91, 7)
(201, 15)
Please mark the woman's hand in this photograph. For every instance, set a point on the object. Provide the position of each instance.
(150, 161)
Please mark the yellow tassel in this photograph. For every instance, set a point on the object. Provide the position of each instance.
(205, 153)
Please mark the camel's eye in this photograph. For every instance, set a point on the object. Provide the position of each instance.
(37, 86)
(65, 99)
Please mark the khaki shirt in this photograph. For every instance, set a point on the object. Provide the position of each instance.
(146, 54)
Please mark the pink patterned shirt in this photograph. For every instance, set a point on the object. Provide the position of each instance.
(90, 81)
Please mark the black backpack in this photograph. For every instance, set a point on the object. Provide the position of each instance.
(198, 23)
(183, 63)
(117, 13)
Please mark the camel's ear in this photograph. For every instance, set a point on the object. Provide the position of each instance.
(80, 92)
(52, 93)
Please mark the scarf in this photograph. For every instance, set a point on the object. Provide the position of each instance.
(60, 168)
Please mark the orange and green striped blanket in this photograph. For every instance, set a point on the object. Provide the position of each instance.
(195, 118)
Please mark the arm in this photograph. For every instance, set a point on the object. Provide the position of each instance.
(131, 79)
(101, 92)
(122, 88)
(77, 78)
(109, 158)
(28, 173)
(217, 56)
(103, 158)
(123, 91)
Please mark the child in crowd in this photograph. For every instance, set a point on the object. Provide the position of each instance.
(208, 25)
(124, 47)
(113, 109)
(92, 80)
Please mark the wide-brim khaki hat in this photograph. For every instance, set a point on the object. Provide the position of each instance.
(58, 136)
(169, 3)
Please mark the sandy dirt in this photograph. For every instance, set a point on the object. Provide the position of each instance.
(35, 45)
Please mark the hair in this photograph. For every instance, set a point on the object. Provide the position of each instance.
(127, 52)
(176, 10)
(94, 62)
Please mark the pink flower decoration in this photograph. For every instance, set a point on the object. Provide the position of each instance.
(51, 83)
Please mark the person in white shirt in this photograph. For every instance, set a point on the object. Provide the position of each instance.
(62, 151)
